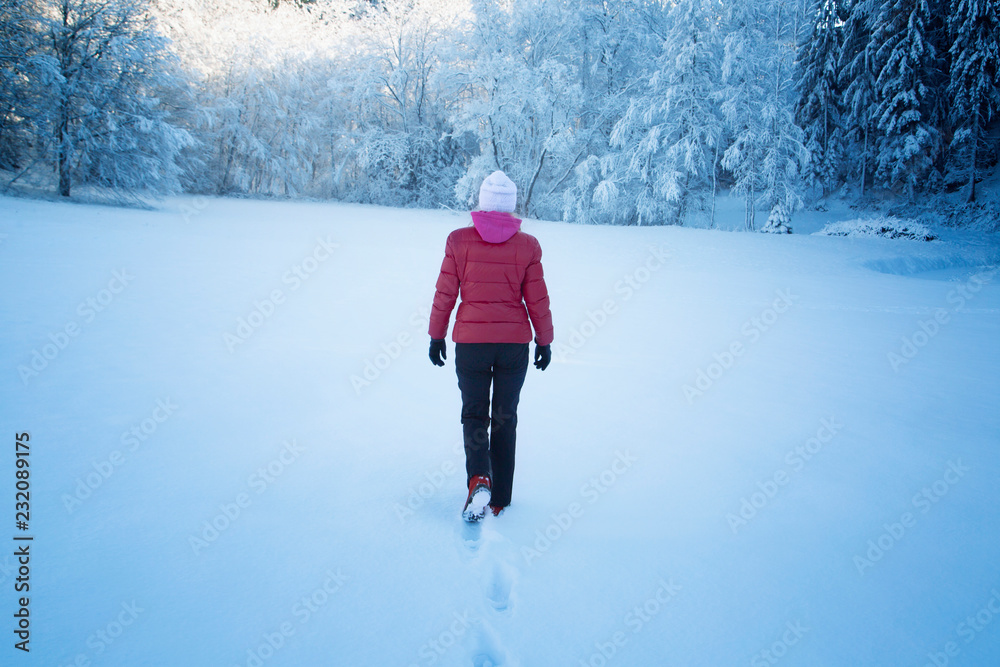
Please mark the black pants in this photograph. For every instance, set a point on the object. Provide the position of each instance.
(490, 436)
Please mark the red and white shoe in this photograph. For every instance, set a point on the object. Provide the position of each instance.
(479, 498)
(497, 510)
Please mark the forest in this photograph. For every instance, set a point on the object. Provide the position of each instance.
(632, 112)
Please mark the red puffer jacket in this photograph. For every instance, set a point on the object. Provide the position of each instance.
(497, 269)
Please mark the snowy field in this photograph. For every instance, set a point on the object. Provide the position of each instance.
(748, 450)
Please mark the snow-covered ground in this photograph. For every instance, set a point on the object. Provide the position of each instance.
(748, 450)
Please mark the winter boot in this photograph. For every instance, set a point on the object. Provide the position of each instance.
(496, 509)
(479, 498)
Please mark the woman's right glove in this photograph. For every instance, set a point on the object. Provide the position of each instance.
(543, 355)
(438, 351)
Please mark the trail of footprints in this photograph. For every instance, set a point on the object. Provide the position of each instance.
(481, 543)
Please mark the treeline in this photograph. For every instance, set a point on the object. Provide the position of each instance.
(602, 111)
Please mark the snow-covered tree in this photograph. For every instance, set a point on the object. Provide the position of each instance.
(785, 156)
(270, 103)
(233, 112)
(939, 105)
(743, 99)
(25, 76)
(778, 221)
(819, 107)
(14, 47)
(766, 152)
(974, 85)
(523, 96)
(106, 124)
(617, 38)
(857, 80)
(908, 139)
(402, 94)
(668, 136)
(335, 98)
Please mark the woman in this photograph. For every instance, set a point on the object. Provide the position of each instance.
(497, 269)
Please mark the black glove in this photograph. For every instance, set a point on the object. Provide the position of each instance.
(438, 351)
(543, 355)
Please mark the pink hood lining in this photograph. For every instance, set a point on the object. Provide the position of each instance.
(495, 226)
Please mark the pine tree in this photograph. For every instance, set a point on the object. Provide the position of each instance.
(743, 100)
(857, 79)
(778, 221)
(819, 110)
(904, 57)
(974, 85)
(939, 104)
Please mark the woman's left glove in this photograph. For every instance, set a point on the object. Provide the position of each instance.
(438, 351)
(543, 355)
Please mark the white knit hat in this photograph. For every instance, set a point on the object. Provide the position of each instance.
(498, 193)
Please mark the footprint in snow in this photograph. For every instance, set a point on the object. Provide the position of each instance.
(487, 651)
(500, 585)
(471, 536)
